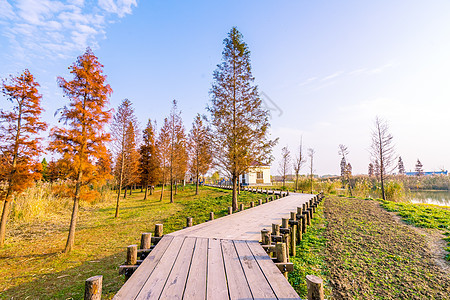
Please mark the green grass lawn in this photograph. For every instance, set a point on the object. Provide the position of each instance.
(33, 266)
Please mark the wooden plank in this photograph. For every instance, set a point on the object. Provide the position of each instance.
(133, 285)
(176, 282)
(279, 284)
(257, 282)
(237, 283)
(216, 287)
(196, 281)
(154, 285)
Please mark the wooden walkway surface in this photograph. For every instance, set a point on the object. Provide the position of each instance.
(219, 259)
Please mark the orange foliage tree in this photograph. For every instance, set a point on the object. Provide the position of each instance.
(200, 150)
(149, 160)
(19, 144)
(82, 141)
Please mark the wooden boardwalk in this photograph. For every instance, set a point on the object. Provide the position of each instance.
(219, 259)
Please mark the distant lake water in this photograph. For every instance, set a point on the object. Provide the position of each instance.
(431, 197)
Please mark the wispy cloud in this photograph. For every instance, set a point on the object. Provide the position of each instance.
(51, 28)
(319, 82)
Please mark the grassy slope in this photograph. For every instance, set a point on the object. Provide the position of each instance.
(372, 256)
(32, 265)
(423, 215)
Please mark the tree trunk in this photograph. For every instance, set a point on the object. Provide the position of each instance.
(118, 199)
(196, 184)
(176, 187)
(296, 181)
(146, 191)
(131, 187)
(151, 189)
(171, 190)
(5, 213)
(122, 167)
(382, 187)
(162, 192)
(234, 203)
(73, 220)
(125, 193)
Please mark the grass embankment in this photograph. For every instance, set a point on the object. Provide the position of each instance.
(362, 252)
(424, 216)
(33, 267)
(310, 259)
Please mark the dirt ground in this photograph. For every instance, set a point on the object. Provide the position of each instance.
(373, 255)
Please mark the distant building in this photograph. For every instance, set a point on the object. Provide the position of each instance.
(258, 174)
(427, 173)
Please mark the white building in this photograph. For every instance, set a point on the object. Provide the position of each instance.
(258, 174)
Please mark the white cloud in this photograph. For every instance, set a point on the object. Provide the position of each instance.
(119, 7)
(50, 28)
(6, 10)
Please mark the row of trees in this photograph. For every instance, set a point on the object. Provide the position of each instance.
(235, 137)
(300, 159)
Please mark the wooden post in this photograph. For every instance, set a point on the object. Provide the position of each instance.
(211, 216)
(260, 202)
(304, 222)
(293, 240)
(132, 255)
(230, 210)
(293, 216)
(158, 230)
(146, 240)
(281, 252)
(93, 288)
(189, 222)
(241, 207)
(284, 223)
(265, 237)
(315, 287)
(275, 229)
(286, 236)
(252, 204)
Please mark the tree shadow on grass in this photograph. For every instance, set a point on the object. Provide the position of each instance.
(69, 284)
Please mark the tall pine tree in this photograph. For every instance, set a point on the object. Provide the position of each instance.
(239, 122)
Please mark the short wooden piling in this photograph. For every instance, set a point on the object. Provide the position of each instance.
(132, 255)
(275, 229)
(146, 240)
(265, 237)
(260, 202)
(211, 216)
(293, 241)
(315, 287)
(189, 222)
(158, 230)
(252, 204)
(230, 210)
(281, 253)
(241, 207)
(93, 288)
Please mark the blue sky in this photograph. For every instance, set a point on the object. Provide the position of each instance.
(328, 67)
